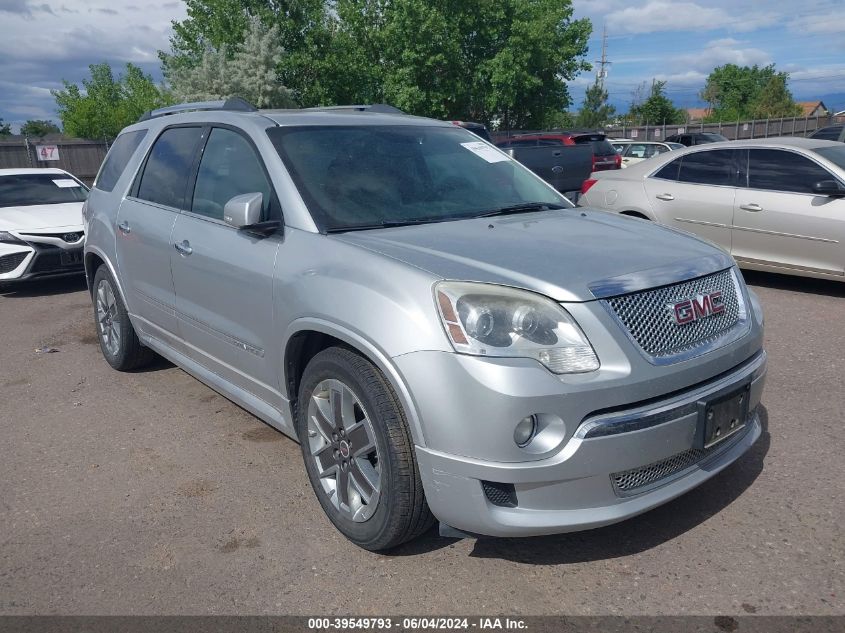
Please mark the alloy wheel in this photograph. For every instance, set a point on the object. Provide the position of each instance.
(107, 321)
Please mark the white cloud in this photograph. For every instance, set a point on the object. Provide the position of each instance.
(662, 15)
(719, 53)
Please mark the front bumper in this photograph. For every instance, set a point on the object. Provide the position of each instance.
(576, 485)
(39, 256)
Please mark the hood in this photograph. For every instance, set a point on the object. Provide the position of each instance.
(568, 255)
(41, 217)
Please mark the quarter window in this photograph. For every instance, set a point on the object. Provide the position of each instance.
(670, 170)
(777, 170)
(229, 168)
(165, 176)
(716, 167)
(121, 151)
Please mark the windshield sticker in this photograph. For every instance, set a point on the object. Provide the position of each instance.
(485, 151)
(66, 183)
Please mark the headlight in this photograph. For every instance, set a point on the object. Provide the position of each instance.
(5, 236)
(489, 320)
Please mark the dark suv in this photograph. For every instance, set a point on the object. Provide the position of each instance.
(604, 156)
(831, 133)
(695, 138)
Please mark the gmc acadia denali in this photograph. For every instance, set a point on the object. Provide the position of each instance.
(442, 332)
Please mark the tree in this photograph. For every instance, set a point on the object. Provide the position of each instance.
(467, 59)
(596, 111)
(657, 109)
(5, 128)
(736, 92)
(251, 72)
(39, 128)
(104, 105)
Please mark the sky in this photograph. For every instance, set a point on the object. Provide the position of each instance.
(43, 42)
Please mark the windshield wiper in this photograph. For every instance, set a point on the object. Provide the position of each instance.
(522, 207)
(385, 224)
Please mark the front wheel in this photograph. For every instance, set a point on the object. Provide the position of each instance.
(118, 341)
(358, 452)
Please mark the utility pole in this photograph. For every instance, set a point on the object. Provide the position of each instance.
(601, 75)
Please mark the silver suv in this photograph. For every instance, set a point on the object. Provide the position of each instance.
(443, 333)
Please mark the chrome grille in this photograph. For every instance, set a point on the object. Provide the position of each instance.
(648, 316)
(629, 482)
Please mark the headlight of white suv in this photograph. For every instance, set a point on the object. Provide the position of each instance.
(489, 320)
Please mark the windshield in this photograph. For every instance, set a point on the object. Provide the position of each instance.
(835, 155)
(20, 190)
(359, 176)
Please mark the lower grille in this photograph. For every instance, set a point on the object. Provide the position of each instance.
(9, 262)
(632, 481)
(503, 495)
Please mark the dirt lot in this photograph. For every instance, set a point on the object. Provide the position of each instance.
(148, 493)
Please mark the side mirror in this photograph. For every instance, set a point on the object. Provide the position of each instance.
(829, 188)
(243, 210)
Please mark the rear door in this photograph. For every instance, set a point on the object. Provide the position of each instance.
(779, 221)
(144, 223)
(224, 276)
(696, 192)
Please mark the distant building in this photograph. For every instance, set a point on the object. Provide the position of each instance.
(697, 114)
(813, 108)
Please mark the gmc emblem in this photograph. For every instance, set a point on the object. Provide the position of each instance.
(698, 307)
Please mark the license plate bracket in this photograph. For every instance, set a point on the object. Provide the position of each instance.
(71, 258)
(721, 416)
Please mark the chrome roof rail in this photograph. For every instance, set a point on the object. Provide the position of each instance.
(232, 104)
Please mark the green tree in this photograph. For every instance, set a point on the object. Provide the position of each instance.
(39, 128)
(468, 59)
(251, 72)
(5, 128)
(595, 112)
(736, 92)
(104, 105)
(657, 109)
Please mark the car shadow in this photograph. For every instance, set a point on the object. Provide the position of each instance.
(629, 537)
(794, 283)
(43, 287)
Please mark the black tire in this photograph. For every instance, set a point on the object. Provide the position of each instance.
(402, 512)
(128, 353)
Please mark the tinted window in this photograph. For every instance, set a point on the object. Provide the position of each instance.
(229, 168)
(601, 146)
(669, 171)
(20, 190)
(828, 133)
(165, 176)
(363, 176)
(835, 155)
(709, 137)
(709, 168)
(519, 143)
(777, 170)
(119, 154)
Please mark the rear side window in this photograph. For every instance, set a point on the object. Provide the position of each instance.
(165, 176)
(229, 168)
(717, 167)
(669, 171)
(777, 170)
(118, 157)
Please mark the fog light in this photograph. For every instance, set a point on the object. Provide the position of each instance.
(525, 430)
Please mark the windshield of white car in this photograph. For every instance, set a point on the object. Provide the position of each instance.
(387, 175)
(24, 190)
(835, 155)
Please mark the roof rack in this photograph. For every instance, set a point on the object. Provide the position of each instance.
(381, 108)
(232, 104)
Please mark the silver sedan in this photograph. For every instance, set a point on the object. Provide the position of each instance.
(775, 204)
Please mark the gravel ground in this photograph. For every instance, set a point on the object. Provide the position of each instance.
(148, 493)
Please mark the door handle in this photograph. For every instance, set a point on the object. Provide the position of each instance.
(665, 196)
(751, 207)
(124, 228)
(184, 247)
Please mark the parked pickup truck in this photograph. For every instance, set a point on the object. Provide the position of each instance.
(565, 167)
